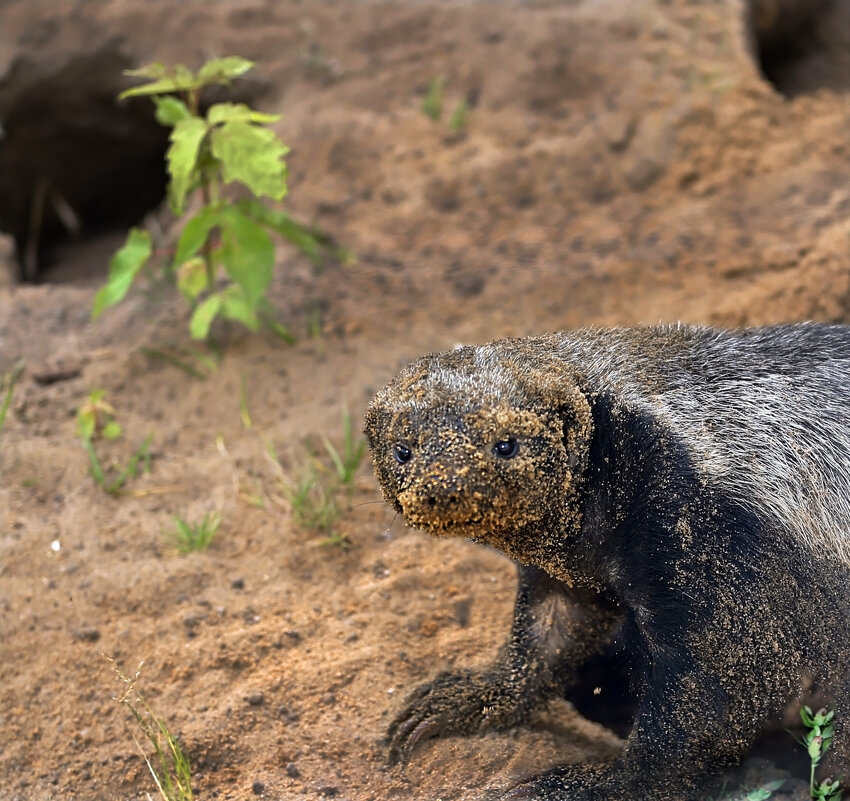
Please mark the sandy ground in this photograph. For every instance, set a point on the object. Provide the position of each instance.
(621, 163)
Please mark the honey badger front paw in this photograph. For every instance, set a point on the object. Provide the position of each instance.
(453, 703)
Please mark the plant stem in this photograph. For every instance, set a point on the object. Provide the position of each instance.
(206, 251)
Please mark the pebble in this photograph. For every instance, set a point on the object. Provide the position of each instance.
(292, 770)
(256, 699)
(86, 634)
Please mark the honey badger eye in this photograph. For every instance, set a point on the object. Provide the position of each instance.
(402, 453)
(506, 448)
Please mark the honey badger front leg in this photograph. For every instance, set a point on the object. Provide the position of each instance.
(704, 689)
(555, 629)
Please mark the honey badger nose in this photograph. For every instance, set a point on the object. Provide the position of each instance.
(441, 489)
(438, 492)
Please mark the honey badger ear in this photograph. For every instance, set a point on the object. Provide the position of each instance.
(559, 393)
(577, 428)
(373, 422)
(376, 423)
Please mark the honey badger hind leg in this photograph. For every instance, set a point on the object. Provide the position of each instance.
(555, 629)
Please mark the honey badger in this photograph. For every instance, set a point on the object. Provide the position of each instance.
(683, 489)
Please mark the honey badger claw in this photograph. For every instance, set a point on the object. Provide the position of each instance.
(450, 704)
(681, 491)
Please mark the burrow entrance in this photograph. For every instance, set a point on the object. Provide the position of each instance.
(78, 167)
(802, 45)
(74, 161)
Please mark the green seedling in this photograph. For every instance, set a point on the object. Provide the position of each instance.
(139, 463)
(458, 118)
(764, 792)
(225, 255)
(432, 103)
(187, 537)
(314, 504)
(347, 463)
(820, 728)
(169, 765)
(96, 419)
(314, 493)
(7, 387)
(247, 423)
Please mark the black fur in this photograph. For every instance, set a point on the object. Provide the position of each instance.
(655, 499)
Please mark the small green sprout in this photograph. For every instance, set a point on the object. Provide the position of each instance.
(314, 505)
(820, 728)
(244, 413)
(347, 463)
(187, 537)
(314, 493)
(7, 387)
(459, 116)
(170, 769)
(432, 103)
(96, 418)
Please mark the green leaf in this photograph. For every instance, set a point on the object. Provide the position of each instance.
(289, 229)
(308, 239)
(459, 115)
(94, 463)
(247, 253)
(182, 157)
(166, 80)
(199, 325)
(432, 103)
(227, 112)
(170, 110)
(153, 71)
(251, 155)
(123, 267)
(192, 277)
(195, 232)
(112, 430)
(85, 425)
(222, 70)
(238, 307)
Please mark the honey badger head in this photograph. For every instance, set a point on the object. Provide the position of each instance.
(481, 443)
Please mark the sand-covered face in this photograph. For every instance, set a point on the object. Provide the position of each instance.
(473, 458)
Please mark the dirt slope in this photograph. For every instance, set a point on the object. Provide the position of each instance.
(621, 163)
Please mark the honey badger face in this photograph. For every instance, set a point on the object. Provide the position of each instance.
(470, 472)
(471, 452)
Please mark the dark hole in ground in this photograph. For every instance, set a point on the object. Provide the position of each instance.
(74, 161)
(802, 45)
(78, 167)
